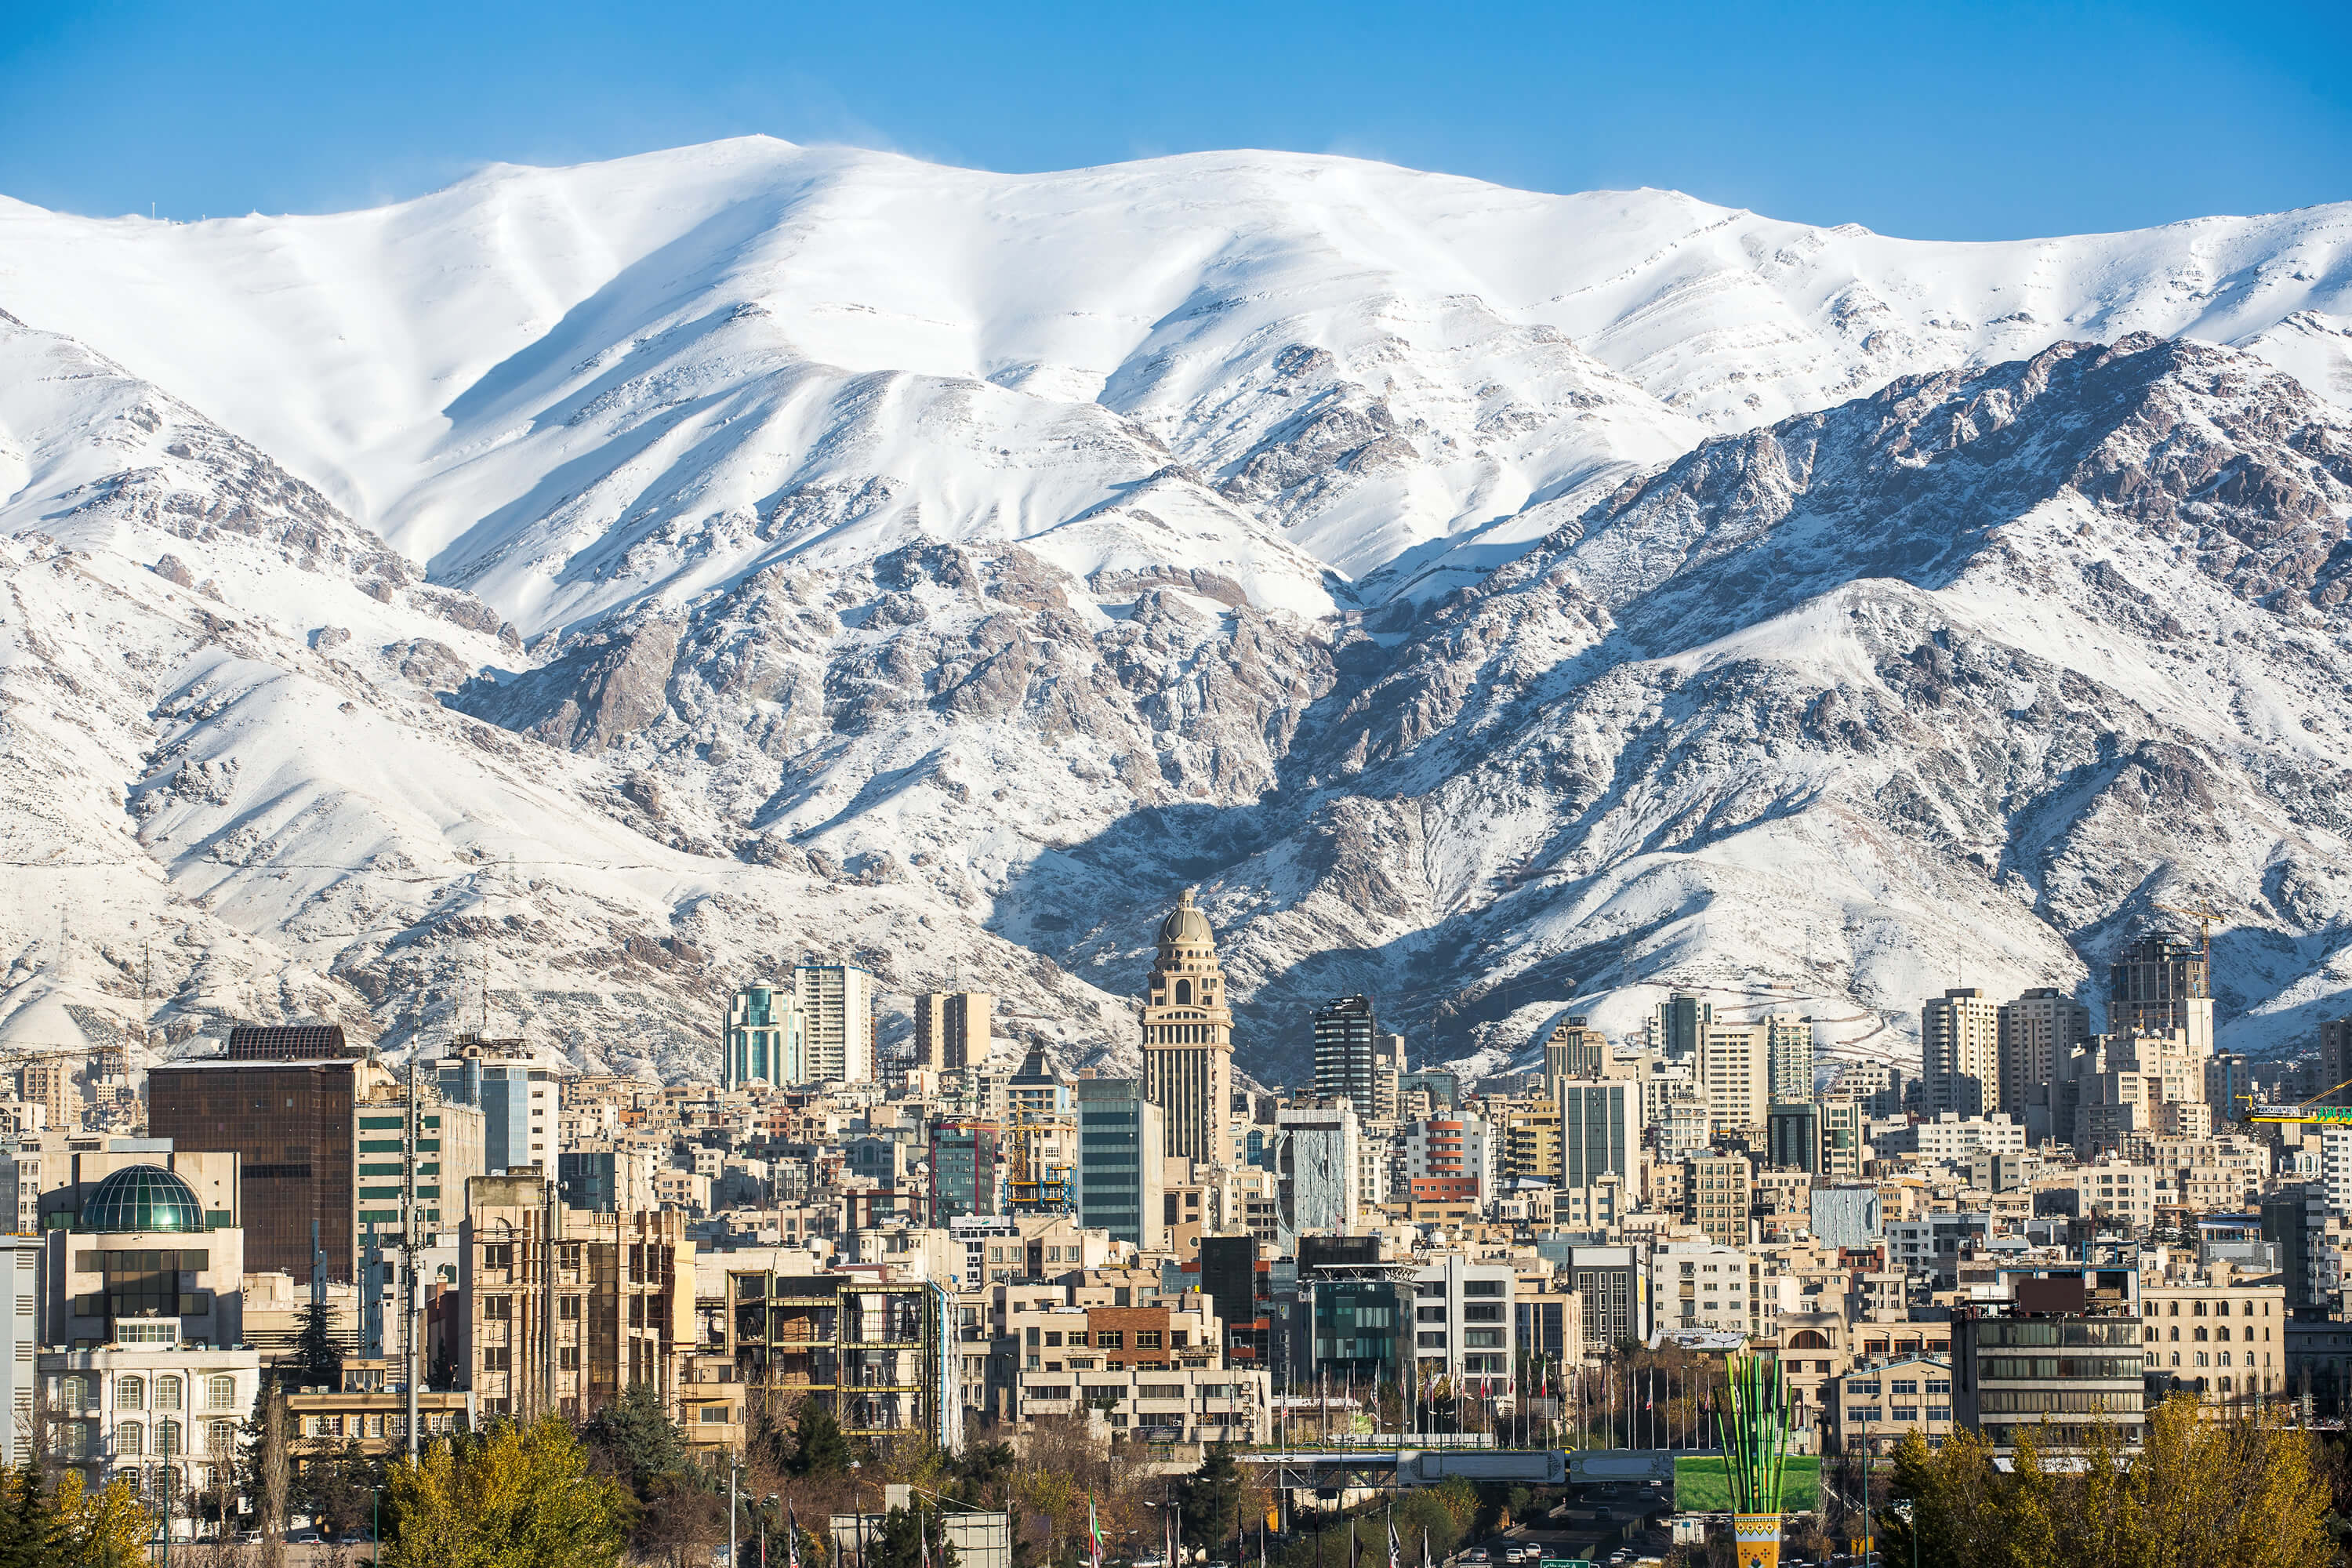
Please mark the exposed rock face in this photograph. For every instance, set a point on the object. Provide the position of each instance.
(1418, 624)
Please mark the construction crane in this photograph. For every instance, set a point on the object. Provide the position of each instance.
(2204, 915)
(2302, 1110)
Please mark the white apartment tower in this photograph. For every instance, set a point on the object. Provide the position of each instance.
(1959, 1052)
(837, 1001)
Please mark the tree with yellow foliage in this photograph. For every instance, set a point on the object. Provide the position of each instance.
(101, 1529)
(516, 1497)
(2198, 1494)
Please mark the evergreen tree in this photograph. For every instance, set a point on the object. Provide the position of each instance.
(819, 1448)
(317, 1359)
(639, 1436)
(29, 1537)
(899, 1543)
(1211, 1500)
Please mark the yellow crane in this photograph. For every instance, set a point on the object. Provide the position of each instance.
(2303, 1110)
(2204, 915)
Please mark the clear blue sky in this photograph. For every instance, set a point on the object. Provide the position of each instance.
(1942, 122)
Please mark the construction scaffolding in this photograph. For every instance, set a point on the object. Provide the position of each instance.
(875, 1352)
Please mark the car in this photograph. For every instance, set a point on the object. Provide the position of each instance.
(1478, 1554)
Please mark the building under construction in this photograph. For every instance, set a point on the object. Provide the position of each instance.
(875, 1352)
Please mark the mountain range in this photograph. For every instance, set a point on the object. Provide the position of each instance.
(543, 605)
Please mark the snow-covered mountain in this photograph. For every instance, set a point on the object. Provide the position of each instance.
(597, 585)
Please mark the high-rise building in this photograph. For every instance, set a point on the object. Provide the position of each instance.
(564, 1309)
(1351, 1054)
(952, 1030)
(964, 1169)
(2159, 984)
(1788, 1047)
(1574, 1049)
(1675, 1029)
(1188, 1038)
(1316, 1160)
(20, 1274)
(1959, 1052)
(2335, 1061)
(321, 1142)
(765, 1040)
(516, 1096)
(1842, 1129)
(1716, 1196)
(49, 1085)
(1793, 1137)
(1122, 1163)
(1449, 1159)
(1735, 1066)
(1600, 1130)
(837, 1000)
(2037, 1030)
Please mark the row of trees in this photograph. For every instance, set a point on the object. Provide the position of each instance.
(2198, 1494)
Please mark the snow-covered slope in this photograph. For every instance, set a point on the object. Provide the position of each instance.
(626, 577)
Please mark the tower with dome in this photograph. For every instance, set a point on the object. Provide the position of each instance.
(1188, 1036)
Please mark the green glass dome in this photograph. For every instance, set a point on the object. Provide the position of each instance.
(143, 1198)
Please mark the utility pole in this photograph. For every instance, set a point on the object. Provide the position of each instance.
(408, 1301)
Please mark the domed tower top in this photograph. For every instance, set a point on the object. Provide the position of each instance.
(1185, 927)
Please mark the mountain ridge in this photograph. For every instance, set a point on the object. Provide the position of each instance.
(1491, 598)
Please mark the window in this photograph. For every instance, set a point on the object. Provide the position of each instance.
(1110, 1339)
(567, 1357)
(167, 1436)
(1430, 1341)
(1078, 1337)
(1147, 1338)
(1482, 1312)
(220, 1392)
(497, 1255)
(1482, 1287)
(498, 1308)
(130, 1393)
(129, 1440)
(1430, 1314)
(167, 1391)
(498, 1358)
(1483, 1339)
(220, 1438)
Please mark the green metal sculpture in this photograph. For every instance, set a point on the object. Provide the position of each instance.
(1756, 1452)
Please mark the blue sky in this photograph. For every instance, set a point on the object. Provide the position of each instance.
(1938, 121)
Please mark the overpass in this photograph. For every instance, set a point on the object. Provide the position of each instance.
(1428, 1460)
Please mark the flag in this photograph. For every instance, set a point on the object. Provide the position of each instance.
(923, 1535)
(1424, 1548)
(1093, 1537)
(791, 1538)
(1396, 1554)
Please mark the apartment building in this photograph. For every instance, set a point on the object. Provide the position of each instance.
(1463, 1321)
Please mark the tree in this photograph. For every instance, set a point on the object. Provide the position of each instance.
(818, 1447)
(517, 1497)
(28, 1522)
(1211, 1500)
(101, 1529)
(639, 1436)
(318, 1358)
(678, 1520)
(2200, 1494)
(338, 1489)
(900, 1541)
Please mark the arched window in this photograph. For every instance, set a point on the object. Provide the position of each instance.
(2176, 1333)
(1183, 992)
(2175, 1358)
(129, 1440)
(131, 1393)
(73, 1394)
(2225, 1386)
(2174, 1309)
(220, 1439)
(2222, 1332)
(167, 1436)
(220, 1392)
(167, 1391)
